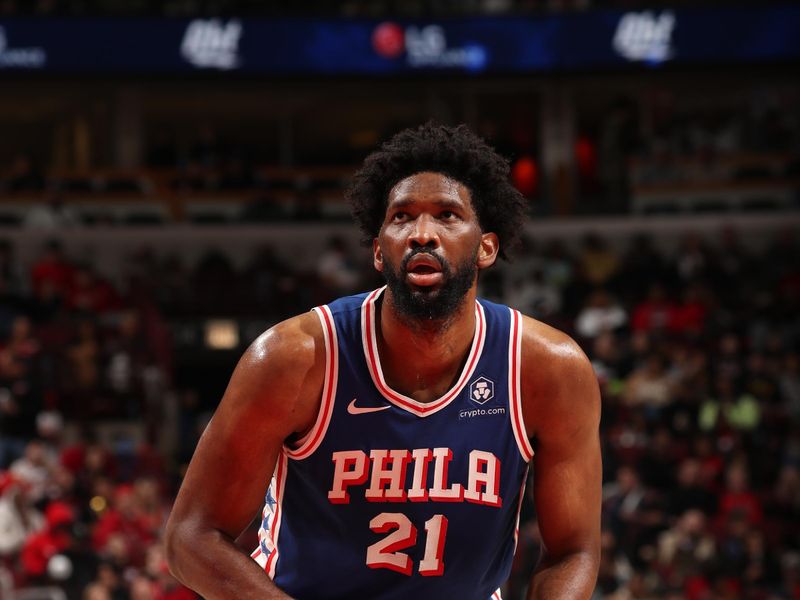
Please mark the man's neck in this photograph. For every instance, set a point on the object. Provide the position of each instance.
(423, 358)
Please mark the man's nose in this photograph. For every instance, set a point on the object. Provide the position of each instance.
(424, 233)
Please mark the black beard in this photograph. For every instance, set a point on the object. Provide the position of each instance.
(427, 303)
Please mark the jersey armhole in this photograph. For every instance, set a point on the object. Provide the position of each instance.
(514, 387)
(305, 446)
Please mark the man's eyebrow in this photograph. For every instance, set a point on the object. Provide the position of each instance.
(441, 202)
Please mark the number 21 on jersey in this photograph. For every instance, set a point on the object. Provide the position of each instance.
(385, 553)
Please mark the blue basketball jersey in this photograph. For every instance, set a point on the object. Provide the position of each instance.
(387, 497)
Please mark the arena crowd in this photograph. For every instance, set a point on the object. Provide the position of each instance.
(697, 351)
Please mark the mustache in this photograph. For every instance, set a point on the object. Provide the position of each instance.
(423, 250)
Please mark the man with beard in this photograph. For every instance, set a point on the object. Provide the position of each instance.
(394, 428)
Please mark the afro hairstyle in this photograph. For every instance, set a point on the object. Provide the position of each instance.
(453, 151)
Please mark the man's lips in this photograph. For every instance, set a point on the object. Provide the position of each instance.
(424, 279)
(424, 270)
(423, 263)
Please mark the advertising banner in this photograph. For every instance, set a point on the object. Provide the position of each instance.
(595, 40)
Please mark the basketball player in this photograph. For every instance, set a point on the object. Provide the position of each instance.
(394, 427)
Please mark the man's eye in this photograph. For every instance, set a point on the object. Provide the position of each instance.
(448, 214)
(399, 216)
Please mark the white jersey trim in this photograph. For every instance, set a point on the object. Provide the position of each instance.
(519, 508)
(306, 445)
(420, 409)
(266, 555)
(514, 387)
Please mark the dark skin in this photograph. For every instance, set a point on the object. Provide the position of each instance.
(281, 376)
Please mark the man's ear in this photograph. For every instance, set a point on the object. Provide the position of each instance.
(377, 256)
(488, 250)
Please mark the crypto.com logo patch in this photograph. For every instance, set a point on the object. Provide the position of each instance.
(481, 390)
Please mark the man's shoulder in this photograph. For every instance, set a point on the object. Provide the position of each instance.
(282, 371)
(293, 342)
(557, 377)
(549, 347)
(300, 339)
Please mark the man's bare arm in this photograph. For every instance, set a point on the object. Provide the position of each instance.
(561, 403)
(273, 393)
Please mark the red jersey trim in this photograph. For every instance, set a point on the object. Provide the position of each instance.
(514, 388)
(306, 445)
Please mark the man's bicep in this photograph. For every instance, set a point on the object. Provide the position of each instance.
(567, 486)
(267, 400)
(567, 465)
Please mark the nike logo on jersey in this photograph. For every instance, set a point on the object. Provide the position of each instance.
(360, 410)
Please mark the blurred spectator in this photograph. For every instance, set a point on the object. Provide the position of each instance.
(648, 387)
(642, 267)
(123, 533)
(55, 538)
(52, 273)
(636, 588)
(728, 361)
(90, 293)
(534, 296)
(18, 518)
(657, 464)
(110, 579)
(614, 566)
(656, 313)
(34, 469)
(762, 570)
(20, 388)
(690, 493)
(163, 585)
(601, 314)
(737, 500)
(597, 261)
(53, 216)
(634, 514)
(337, 270)
(729, 408)
(12, 280)
(81, 379)
(689, 316)
(127, 354)
(687, 549)
(790, 574)
(789, 385)
(693, 259)
(96, 591)
(558, 265)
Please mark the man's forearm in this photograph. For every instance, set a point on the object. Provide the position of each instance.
(571, 577)
(214, 567)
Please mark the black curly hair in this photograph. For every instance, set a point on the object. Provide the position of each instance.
(452, 151)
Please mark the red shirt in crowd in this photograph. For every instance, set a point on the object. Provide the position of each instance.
(53, 539)
(54, 272)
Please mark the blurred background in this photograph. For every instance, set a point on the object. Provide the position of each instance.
(171, 178)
